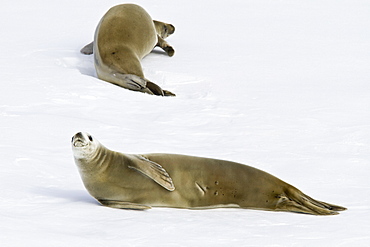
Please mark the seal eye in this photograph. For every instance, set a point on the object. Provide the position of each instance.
(90, 138)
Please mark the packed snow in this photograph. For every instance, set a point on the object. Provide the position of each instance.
(279, 85)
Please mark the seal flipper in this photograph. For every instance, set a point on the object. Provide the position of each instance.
(128, 81)
(296, 201)
(168, 93)
(135, 83)
(153, 171)
(321, 204)
(154, 88)
(157, 90)
(88, 49)
(165, 46)
(123, 205)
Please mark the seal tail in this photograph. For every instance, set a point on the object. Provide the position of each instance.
(296, 201)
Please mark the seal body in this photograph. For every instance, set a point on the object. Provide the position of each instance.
(124, 35)
(168, 180)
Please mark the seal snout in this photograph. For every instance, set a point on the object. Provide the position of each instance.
(81, 139)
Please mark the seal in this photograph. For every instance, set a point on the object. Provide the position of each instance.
(134, 181)
(124, 35)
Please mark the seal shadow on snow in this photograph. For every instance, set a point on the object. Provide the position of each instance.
(184, 83)
(177, 81)
(65, 58)
(86, 65)
(70, 195)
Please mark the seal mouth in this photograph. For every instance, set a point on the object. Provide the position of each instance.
(79, 143)
(79, 140)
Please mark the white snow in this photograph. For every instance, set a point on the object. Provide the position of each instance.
(279, 85)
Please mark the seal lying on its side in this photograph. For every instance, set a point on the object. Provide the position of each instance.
(131, 181)
(126, 34)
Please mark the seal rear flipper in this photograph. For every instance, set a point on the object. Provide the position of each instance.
(296, 201)
(135, 83)
(157, 90)
(129, 81)
(154, 88)
(88, 49)
(325, 204)
(168, 93)
(287, 204)
(123, 205)
(153, 171)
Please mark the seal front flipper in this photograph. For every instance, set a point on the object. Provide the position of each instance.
(153, 171)
(88, 49)
(123, 205)
(165, 46)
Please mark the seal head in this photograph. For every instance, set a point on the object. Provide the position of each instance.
(83, 145)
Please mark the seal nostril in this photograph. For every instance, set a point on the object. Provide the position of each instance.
(90, 138)
(78, 135)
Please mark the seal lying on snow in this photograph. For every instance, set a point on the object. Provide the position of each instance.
(130, 181)
(126, 34)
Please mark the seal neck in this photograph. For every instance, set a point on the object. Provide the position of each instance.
(95, 162)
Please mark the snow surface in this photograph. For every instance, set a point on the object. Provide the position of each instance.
(281, 85)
